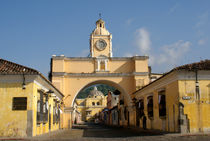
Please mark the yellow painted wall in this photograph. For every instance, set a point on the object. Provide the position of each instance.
(42, 127)
(175, 90)
(170, 121)
(88, 106)
(121, 66)
(14, 123)
(84, 66)
(196, 112)
(141, 66)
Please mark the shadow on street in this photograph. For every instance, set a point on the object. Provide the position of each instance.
(102, 131)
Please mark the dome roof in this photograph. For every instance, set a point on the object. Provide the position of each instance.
(95, 92)
(100, 31)
(100, 28)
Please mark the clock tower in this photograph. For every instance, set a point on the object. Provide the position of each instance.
(100, 41)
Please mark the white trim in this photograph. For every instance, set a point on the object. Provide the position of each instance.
(40, 85)
(106, 64)
(151, 88)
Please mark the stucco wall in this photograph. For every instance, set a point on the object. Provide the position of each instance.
(14, 123)
(198, 114)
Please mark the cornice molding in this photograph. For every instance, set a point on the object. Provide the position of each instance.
(93, 58)
(99, 74)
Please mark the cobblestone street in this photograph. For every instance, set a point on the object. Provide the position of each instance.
(99, 132)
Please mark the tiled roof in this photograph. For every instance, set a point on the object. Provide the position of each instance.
(202, 65)
(7, 67)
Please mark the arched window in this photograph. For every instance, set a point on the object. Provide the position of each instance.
(93, 103)
(98, 103)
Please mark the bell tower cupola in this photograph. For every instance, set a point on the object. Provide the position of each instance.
(100, 41)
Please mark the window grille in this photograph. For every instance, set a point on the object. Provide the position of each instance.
(150, 106)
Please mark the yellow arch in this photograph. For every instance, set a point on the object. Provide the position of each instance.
(127, 97)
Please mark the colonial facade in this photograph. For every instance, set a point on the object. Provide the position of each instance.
(73, 74)
(179, 101)
(30, 105)
(92, 105)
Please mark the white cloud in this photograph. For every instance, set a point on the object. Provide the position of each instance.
(143, 41)
(172, 54)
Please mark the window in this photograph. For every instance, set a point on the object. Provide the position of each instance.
(125, 113)
(56, 112)
(98, 103)
(42, 111)
(88, 113)
(93, 103)
(141, 108)
(102, 65)
(45, 112)
(19, 103)
(150, 106)
(40, 108)
(162, 103)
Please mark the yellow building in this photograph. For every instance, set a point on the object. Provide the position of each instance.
(30, 104)
(179, 101)
(73, 74)
(92, 105)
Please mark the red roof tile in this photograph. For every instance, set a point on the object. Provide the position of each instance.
(7, 67)
(202, 65)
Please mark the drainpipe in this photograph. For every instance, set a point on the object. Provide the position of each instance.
(197, 90)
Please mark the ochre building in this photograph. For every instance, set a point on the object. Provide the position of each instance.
(92, 105)
(179, 101)
(30, 105)
(72, 74)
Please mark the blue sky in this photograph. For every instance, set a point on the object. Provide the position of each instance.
(171, 32)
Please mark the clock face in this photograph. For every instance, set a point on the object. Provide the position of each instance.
(101, 44)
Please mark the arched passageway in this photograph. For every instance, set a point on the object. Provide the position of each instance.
(123, 92)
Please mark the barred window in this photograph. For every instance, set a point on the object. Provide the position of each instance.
(162, 103)
(19, 103)
(150, 106)
(38, 106)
